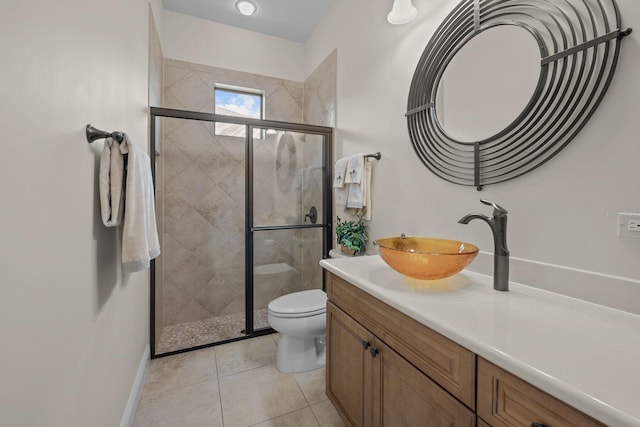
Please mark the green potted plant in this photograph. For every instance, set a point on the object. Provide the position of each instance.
(351, 236)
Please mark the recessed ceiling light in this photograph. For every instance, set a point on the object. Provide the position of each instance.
(246, 7)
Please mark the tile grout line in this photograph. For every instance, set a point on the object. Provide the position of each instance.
(218, 383)
(285, 414)
(301, 391)
(307, 400)
(243, 370)
(315, 416)
(185, 385)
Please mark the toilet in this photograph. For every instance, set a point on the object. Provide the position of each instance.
(301, 319)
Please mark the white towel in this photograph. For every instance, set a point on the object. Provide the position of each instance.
(341, 191)
(367, 190)
(355, 169)
(339, 172)
(111, 178)
(355, 182)
(355, 196)
(140, 236)
(359, 195)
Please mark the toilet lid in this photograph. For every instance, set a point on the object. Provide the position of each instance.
(300, 304)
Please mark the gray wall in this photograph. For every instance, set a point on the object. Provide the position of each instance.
(74, 327)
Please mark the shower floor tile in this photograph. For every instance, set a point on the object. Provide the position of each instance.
(201, 332)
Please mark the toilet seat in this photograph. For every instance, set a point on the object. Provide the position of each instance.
(299, 304)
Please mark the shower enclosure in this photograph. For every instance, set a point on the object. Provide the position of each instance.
(244, 214)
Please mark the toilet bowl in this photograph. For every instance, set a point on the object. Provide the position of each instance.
(300, 318)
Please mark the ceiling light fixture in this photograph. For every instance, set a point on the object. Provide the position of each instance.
(402, 12)
(246, 7)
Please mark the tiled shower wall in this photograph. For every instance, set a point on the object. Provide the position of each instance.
(319, 109)
(203, 176)
(320, 93)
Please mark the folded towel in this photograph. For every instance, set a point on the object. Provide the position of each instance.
(367, 190)
(340, 172)
(341, 191)
(355, 197)
(140, 236)
(341, 195)
(359, 196)
(355, 169)
(355, 182)
(111, 187)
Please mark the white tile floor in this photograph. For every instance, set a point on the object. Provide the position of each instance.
(233, 385)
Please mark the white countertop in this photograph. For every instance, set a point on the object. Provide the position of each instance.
(584, 354)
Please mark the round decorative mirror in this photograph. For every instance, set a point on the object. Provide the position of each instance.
(488, 83)
(480, 111)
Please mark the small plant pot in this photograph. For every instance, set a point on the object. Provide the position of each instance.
(350, 252)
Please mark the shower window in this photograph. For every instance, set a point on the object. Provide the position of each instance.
(237, 102)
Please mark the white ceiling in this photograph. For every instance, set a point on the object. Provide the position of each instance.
(287, 19)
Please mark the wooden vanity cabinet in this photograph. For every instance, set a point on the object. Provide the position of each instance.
(372, 383)
(386, 369)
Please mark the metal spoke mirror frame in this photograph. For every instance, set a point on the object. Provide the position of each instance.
(579, 43)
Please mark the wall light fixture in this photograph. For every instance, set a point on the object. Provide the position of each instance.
(402, 12)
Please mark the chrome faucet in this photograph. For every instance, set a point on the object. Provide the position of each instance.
(498, 224)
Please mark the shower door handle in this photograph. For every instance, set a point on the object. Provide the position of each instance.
(312, 215)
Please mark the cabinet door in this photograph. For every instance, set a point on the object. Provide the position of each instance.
(505, 400)
(348, 367)
(450, 365)
(404, 396)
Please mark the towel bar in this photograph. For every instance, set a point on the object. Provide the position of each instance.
(94, 134)
(376, 156)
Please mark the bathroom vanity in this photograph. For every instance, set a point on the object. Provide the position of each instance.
(457, 353)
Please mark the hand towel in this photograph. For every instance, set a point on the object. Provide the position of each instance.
(341, 190)
(355, 196)
(367, 190)
(111, 178)
(355, 169)
(339, 172)
(359, 196)
(355, 182)
(140, 235)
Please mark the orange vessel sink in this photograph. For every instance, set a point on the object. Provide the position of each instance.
(426, 258)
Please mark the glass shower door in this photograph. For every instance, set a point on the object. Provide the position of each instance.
(242, 211)
(200, 275)
(288, 218)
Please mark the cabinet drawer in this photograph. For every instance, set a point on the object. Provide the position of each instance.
(506, 400)
(448, 364)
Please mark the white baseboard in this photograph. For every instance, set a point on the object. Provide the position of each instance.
(129, 415)
(616, 292)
